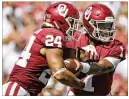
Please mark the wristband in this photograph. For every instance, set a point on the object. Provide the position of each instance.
(86, 67)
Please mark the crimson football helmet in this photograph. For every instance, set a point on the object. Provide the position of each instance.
(99, 22)
(64, 17)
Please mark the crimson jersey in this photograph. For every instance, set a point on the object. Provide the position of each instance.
(31, 70)
(99, 84)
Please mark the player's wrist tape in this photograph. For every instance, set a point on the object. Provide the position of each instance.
(59, 71)
(86, 67)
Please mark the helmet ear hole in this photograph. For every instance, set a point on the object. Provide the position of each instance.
(61, 23)
(55, 6)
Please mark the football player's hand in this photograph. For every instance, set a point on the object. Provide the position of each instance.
(79, 67)
(90, 52)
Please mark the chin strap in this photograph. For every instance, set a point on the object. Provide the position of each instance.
(56, 25)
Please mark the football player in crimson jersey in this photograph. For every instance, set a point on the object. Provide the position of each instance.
(42, 57)
(99, 24)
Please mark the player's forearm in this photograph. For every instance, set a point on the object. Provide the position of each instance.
(68, 78)
(95, 68)
(99, 69)
(63, 75)
(60, 73)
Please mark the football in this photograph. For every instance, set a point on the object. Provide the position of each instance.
(71, 65)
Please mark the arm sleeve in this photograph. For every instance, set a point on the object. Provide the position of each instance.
(114, 61)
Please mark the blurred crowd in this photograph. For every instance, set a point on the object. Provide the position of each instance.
(21, 19)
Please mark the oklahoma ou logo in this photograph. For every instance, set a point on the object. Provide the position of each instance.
(88, 13)
(62, 9)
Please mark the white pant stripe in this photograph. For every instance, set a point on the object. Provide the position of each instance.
(4, 87)
(21, 91)
(13, 89)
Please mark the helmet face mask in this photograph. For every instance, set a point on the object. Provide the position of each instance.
(99, 22)
(74, 25)
(103, 30)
